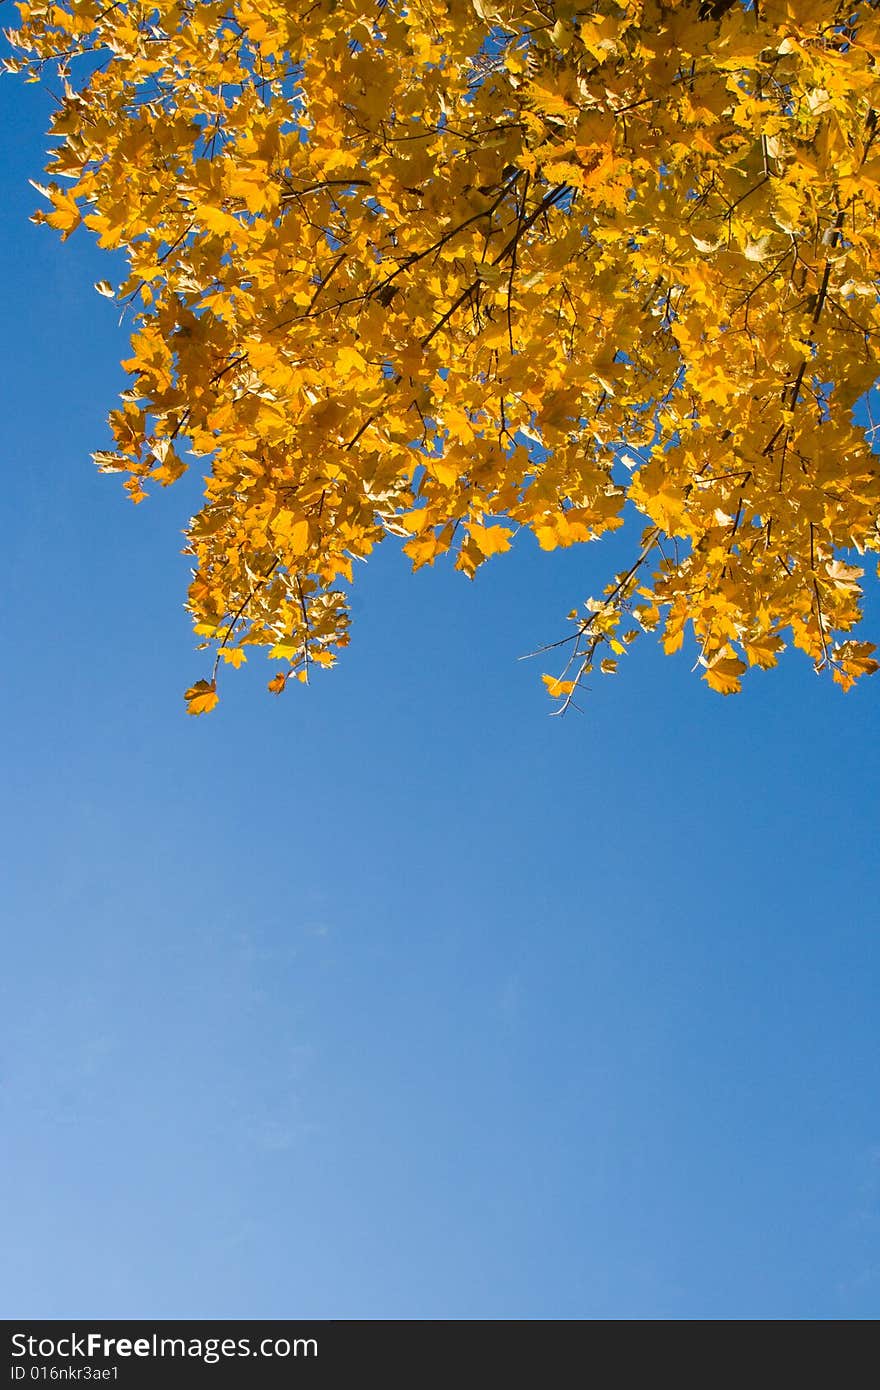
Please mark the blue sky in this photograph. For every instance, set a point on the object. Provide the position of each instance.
(396, 997)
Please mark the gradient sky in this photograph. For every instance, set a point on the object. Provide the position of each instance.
(395, 997)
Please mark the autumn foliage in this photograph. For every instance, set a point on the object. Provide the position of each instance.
(449, 270)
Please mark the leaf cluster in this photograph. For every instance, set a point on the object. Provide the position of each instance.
(448, 270)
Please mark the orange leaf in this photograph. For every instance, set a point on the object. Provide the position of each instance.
(201, 697)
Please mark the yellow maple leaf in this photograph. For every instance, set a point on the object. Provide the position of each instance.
(491, 540)
(201, 697)
(233, 656)
(723, 674)
(557, 688)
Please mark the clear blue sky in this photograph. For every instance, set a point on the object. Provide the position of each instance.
(395, 997)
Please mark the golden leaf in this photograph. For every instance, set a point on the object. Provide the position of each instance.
(724, 673)
(201, 697)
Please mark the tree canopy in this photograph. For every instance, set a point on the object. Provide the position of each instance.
(448, 270)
